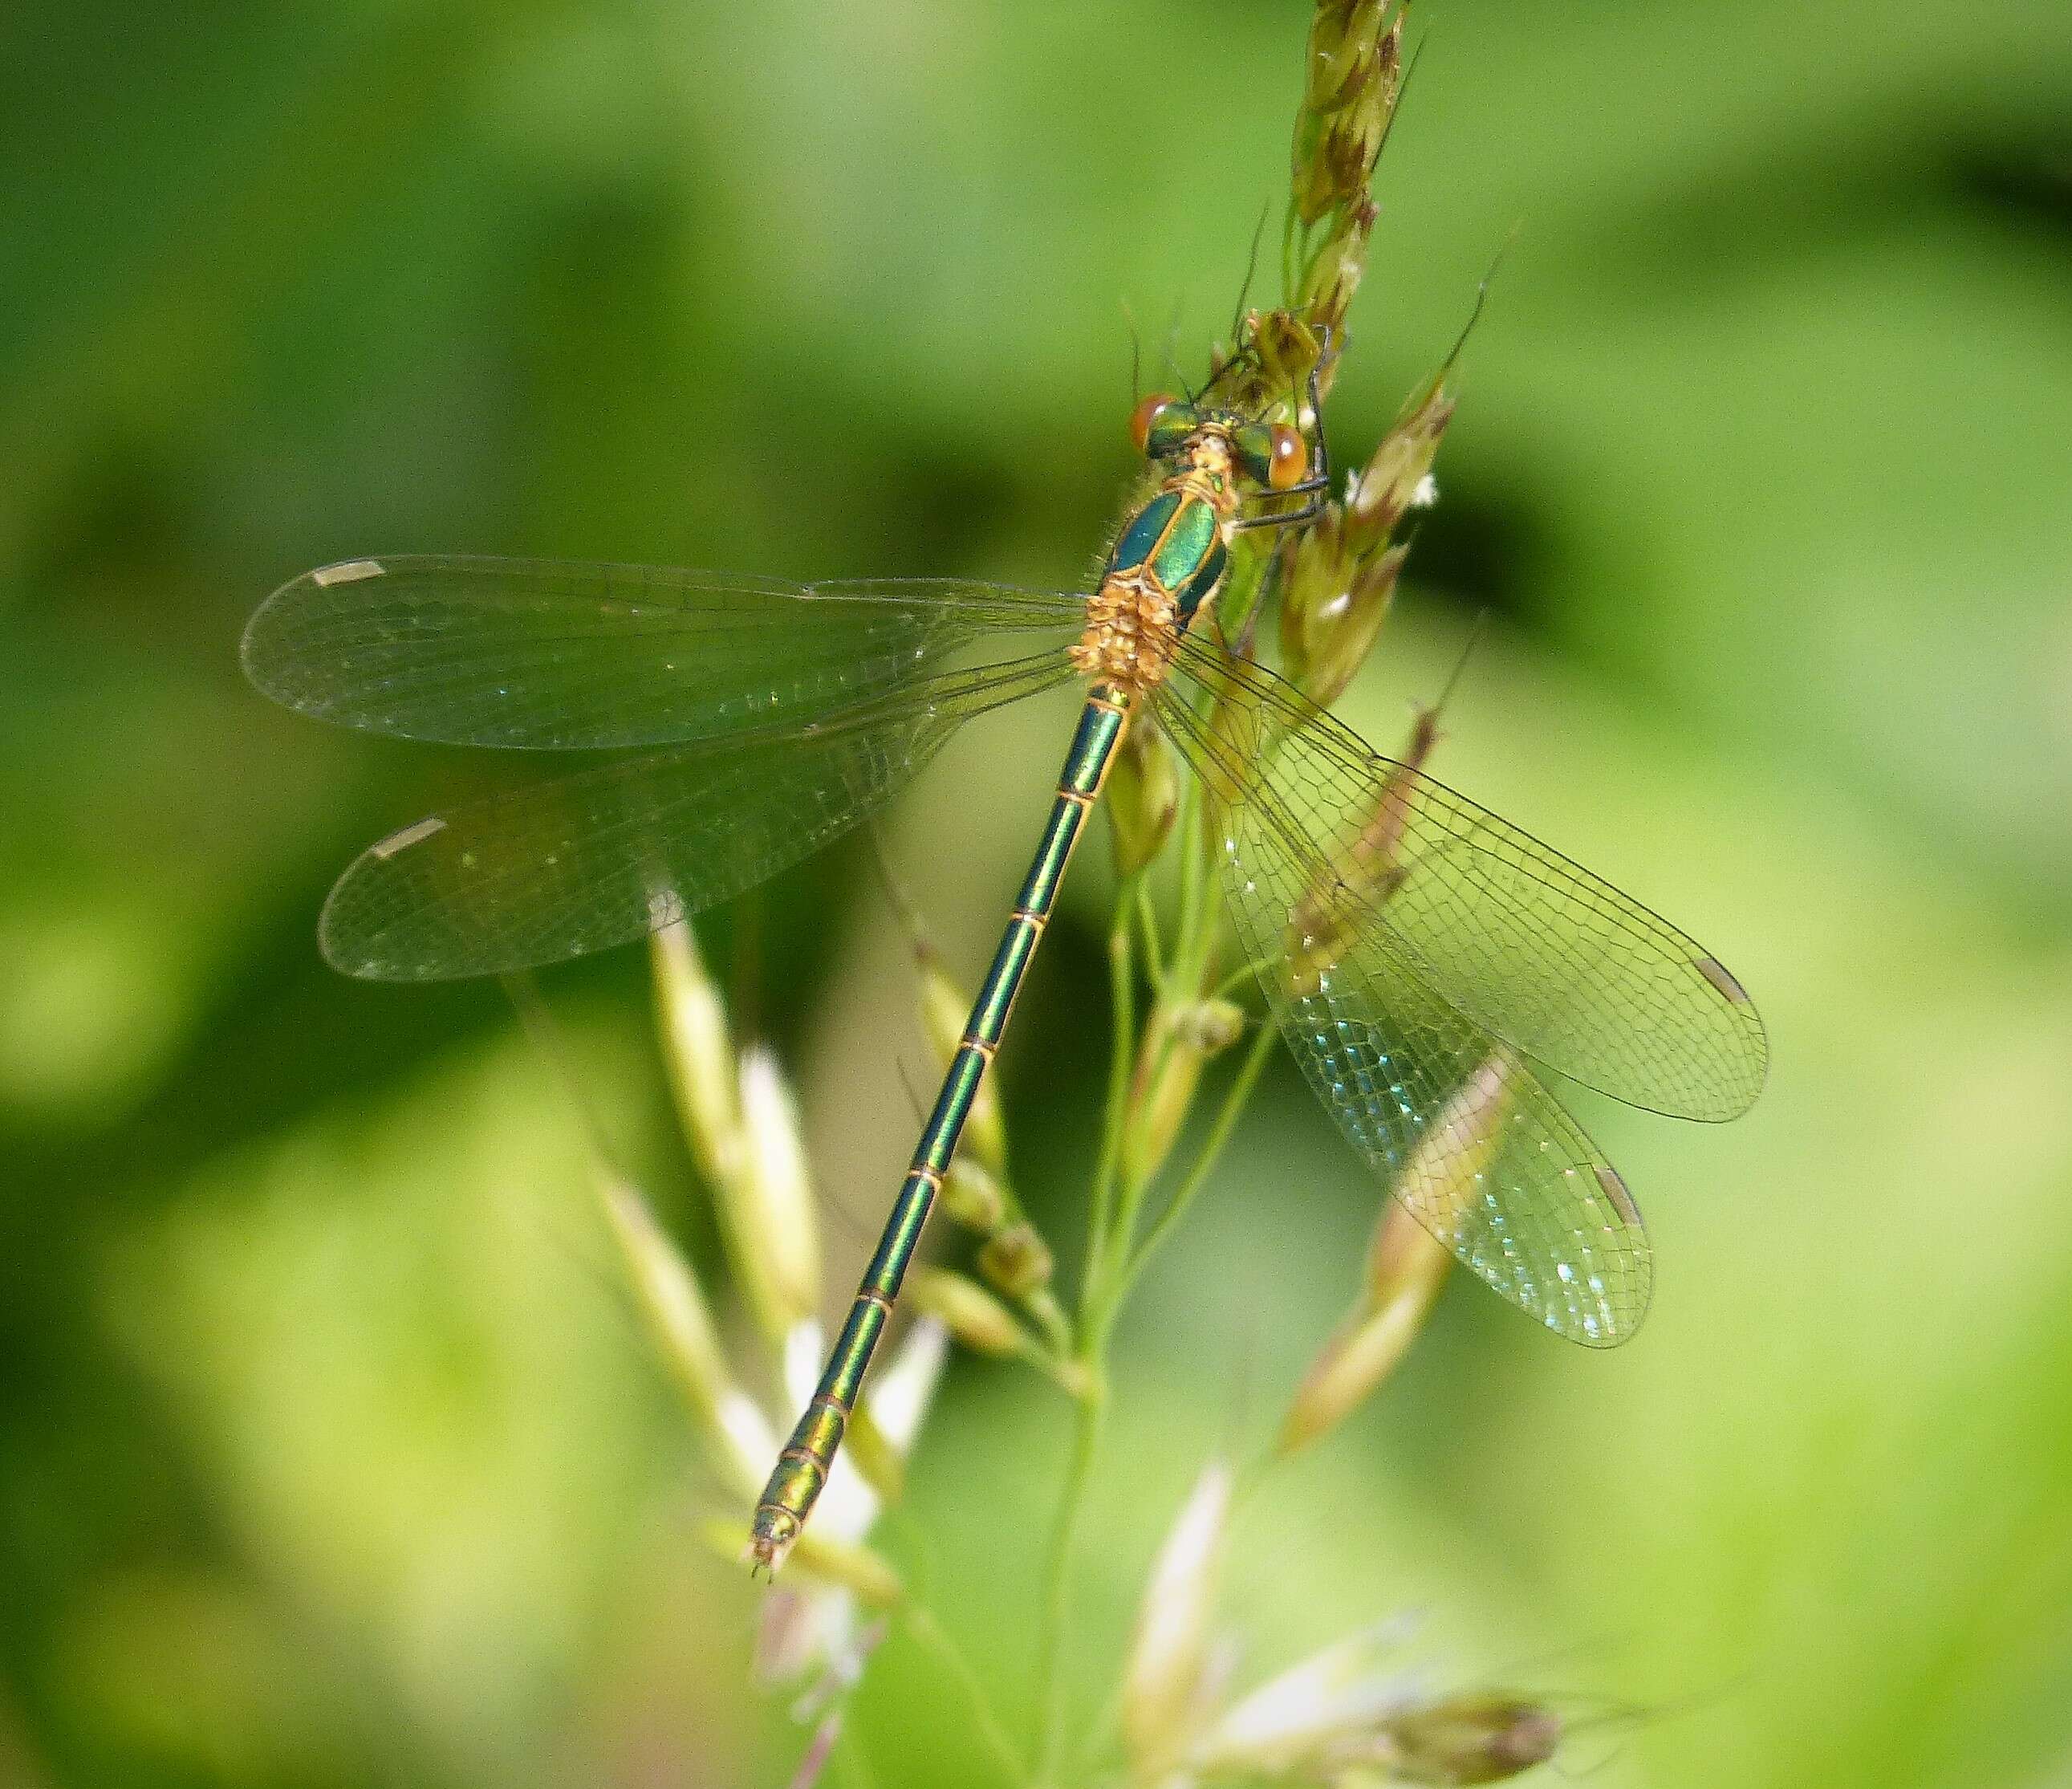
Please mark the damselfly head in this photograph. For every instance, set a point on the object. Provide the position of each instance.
(1161, 424)
(1273, 453)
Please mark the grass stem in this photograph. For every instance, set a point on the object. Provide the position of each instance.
(921, 1623)
(1204, 1164)
(1051, 1689)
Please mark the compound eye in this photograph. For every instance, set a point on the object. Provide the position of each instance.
(1287, 459)
(1145, 414)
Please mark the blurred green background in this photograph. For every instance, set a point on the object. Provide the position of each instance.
(328, 1453)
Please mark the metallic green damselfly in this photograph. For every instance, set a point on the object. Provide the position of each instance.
(1423, 957)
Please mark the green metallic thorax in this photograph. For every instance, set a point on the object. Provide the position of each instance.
(1175, 540)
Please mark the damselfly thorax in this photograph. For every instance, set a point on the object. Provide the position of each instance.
(1168, 560)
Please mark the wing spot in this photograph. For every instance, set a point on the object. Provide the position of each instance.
(1715, 972)
(1615, 1192)
(386, 849)
(349, 571)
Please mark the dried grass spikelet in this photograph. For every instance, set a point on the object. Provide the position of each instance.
(1406, 1264)
(679, 1320)
(1477, 1737)
(697, 1050)
(1156, 1119)
(1362, 872)
(971, 1313)
(1333, 603)
(1164, 1673)
(1339, 577)
(1397, 477)
(1211, 1026)
(1355, 77)
(1290, 1723)
(743, 1126)
(1017, 1260)
(1366, 1347)
(1142, 798)
(775, 1211)
(1193, 1032)
(972, 1197)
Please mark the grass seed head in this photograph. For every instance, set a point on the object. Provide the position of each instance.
(1142, 798)
(1479, 1736)
(1405, 1268)
(1164, 1674)
(1211, 1026)
(1349, 90)
(972, 1197)
(768, 1202)
(1155, 1122)
(1354, 79)
(1017, 1260)
(673, 1307)
(1406, 1264)
(698, 1049)
(1334, 602)
(1397, 479)
(971, 1313)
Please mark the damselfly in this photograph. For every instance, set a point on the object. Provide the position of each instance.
(1424, 958)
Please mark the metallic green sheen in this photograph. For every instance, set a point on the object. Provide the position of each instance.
(1045, 874)
(1170, 430)
(853, 1352)
(1010, 962)
(939, 1141)
(1187, 546)
(793, 1487)
(1254, 446)
(1203, 581)
(1093, 740)
(1133, 546)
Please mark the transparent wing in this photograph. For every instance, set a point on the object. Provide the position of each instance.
(1548, 959)
(574, 865)
(1449, 1117)
(562, 656)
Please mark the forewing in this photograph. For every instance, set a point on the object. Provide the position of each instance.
(562, 657)
(1451, 1119)
(1529, 946)
(577, 864)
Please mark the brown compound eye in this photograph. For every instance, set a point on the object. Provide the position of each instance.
(1146, 413)
(1287, 459)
